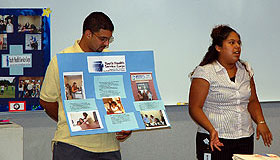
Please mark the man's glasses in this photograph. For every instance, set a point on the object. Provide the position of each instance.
(105, 39)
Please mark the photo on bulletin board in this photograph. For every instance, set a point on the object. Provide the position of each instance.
(7, 23)
(7, 85)
(3, 41)
(25, 55)
(33, 42)
(29, 87)
(30, 24)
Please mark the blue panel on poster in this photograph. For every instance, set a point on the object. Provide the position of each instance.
(80, 104)
(126, 121)
(149, 105)
(114, 86)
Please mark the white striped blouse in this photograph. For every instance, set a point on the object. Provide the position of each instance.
(227, 101)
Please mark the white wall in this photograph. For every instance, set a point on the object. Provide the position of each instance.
(178, 32)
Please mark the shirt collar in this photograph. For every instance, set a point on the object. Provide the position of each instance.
(77, 47)
(218, 67)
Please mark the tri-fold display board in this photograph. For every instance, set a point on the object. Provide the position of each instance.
(110, 91)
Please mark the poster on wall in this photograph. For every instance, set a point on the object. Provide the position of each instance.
(25, 54)
(110, 91)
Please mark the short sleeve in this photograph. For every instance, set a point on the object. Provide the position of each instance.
(50, 91)
(249, 69)
(200, 72)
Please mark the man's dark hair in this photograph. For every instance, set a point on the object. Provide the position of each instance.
(96, 21)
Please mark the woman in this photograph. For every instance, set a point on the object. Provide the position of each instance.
(115, 108)
(20, 89)
(90, 123)
(74, 89)
(223, 100)
(150, 96)
(10, 26)
(140, 96)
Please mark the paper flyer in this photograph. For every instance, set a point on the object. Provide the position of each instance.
(110, 92)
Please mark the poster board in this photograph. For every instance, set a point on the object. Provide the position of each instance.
(110, 91)
(25, 54)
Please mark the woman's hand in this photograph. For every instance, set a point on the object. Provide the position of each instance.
(215, 140)
(263, 130)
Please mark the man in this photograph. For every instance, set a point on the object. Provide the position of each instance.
(2, 89)
(2, 27)
(147, 121)
(97, 33)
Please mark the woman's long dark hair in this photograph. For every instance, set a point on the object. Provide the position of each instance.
(218, 35)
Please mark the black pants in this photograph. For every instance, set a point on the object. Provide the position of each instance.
(64, 151)
(231, 146)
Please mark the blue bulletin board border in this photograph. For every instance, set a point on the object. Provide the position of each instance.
(16, 43)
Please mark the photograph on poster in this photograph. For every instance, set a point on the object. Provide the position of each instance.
(74, 85)
(6, 23)
(84, 120)
(3, 42)
(113, 105)
(154, 119)
(143, 87)
(29, 87)
(33, 42)
(30, 24)
(7, 86)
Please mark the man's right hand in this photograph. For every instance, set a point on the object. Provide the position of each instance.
(51, 108)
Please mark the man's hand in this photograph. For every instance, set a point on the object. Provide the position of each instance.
(123, 135)
(51, 108)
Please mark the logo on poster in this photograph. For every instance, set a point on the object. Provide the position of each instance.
(16, 106)
(140, 77)
(98, 66)
(106, 64)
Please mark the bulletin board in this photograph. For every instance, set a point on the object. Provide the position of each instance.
(25, 54)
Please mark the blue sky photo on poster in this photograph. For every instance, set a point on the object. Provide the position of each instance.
(110, 91)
